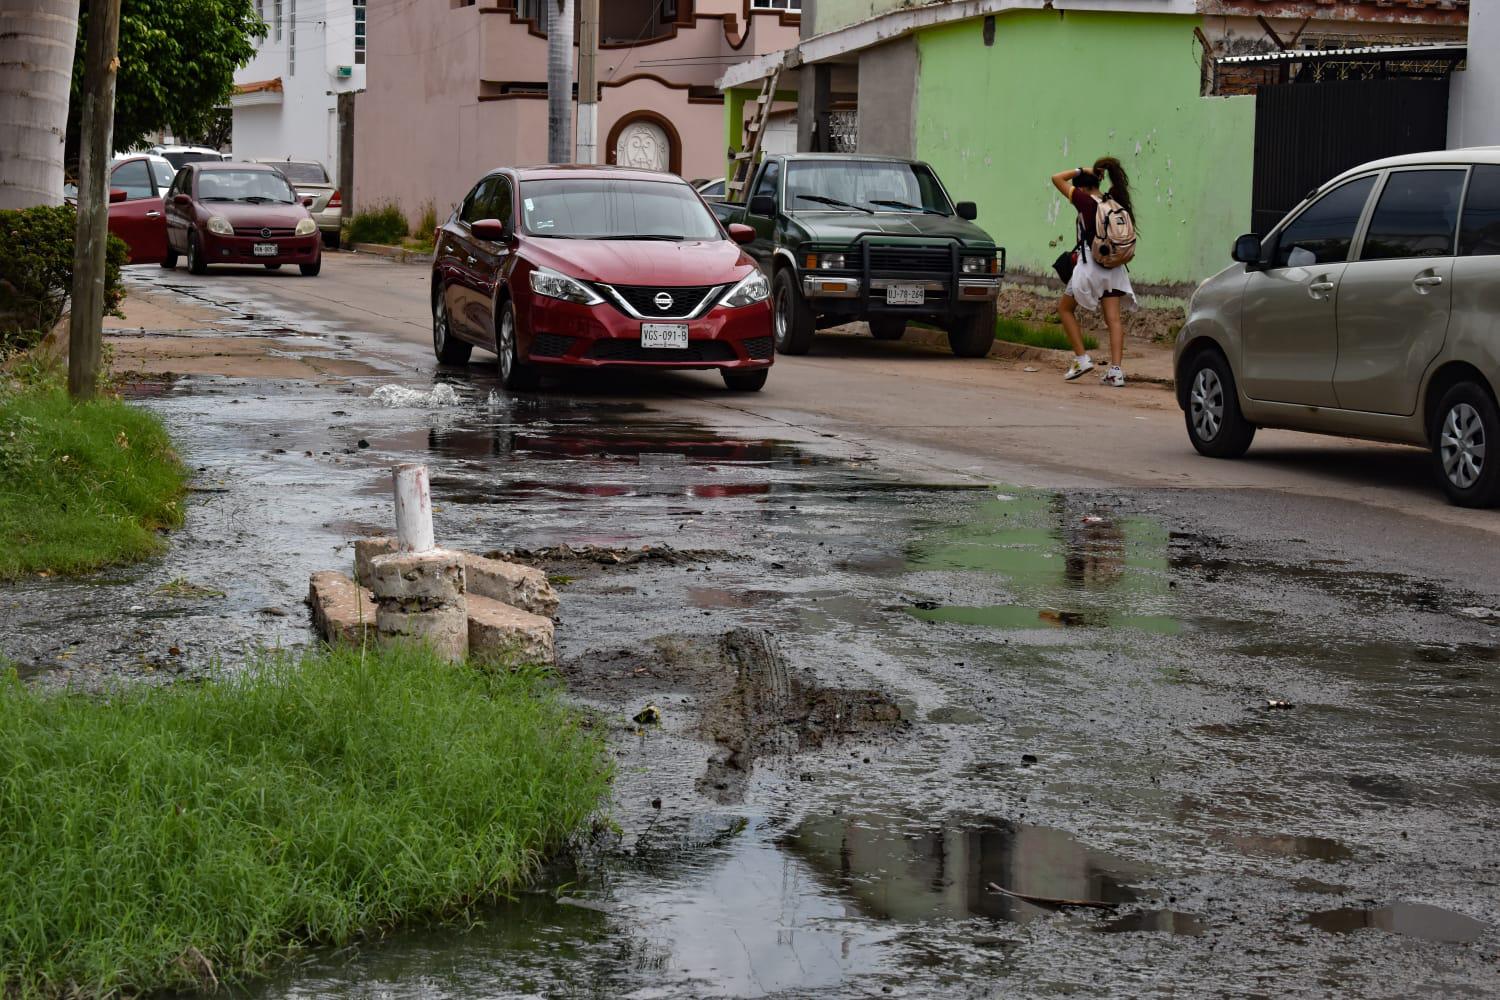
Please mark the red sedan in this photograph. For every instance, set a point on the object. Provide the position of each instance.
(590, 267)
(239, 213)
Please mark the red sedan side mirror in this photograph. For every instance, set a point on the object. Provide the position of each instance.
(182, 201)
(741, 233)
(490, 230)
(117, 194)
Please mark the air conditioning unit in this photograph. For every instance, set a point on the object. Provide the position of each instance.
(345, 72)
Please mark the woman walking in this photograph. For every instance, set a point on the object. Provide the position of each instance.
(1093, 285)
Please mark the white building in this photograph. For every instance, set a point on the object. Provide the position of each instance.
(285, 100)
(1474, 97)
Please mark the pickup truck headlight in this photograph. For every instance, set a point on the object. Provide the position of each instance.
(751, 289)
(306, 227)
(981, 265)
(825, 262)
(219, 224)
(559, 286)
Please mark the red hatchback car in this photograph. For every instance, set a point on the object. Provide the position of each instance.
(591, 267)
(238, 213)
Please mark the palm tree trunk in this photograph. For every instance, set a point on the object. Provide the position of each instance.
(36, 71)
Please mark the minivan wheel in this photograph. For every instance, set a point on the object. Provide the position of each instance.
(448, 348)
(1467, 421)
(791, 318)
(514, 373)
(1214, 422)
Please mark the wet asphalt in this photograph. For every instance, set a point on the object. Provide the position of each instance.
(1150, 742)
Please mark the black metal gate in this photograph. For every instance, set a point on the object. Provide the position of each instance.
(1306, 133)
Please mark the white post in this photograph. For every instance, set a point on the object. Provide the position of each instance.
(413, 509)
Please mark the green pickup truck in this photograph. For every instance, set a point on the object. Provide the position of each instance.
(870, 238)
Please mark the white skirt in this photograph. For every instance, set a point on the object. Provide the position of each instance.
(1090, 282)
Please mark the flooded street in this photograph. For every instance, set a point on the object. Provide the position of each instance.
(920, 735)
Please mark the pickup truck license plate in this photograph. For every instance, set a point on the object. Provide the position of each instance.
(664, 335)
(265, 249)
(905, 295)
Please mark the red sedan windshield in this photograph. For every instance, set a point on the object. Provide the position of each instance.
(599, 208)
(245, 185)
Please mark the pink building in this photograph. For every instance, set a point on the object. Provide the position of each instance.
(457, 87)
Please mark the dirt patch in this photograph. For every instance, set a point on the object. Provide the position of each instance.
(240, 355)
(751, 703)
(1153, 321)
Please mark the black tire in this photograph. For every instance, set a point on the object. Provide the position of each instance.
(1215, 424)
(973, 334)
(514, 373)
(745, 381)
(448, 348)
(170, 260)
(311, 270)
(273, 267)
(1466, 421)
(196, 263)
(792, 318)
(887, 327)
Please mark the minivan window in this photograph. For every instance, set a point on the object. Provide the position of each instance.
(1322, 234)
(1416, 215)
(1481, 228)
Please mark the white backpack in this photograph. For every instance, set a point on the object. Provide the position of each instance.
(1114, 240)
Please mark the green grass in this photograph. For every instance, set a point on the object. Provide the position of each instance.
(171, 837)
(1046, 335)
(82, 485)
(385, 224)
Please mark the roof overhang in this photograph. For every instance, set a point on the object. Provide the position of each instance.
(258, 92)
(1364, 53)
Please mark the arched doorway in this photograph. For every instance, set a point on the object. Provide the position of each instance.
(645, 140)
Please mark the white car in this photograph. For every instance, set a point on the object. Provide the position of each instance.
(178, 155)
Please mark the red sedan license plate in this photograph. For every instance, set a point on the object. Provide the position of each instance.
(265, 249)
(664, 335)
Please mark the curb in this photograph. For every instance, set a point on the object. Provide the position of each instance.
(400, 255)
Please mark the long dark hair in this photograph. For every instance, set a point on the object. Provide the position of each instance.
(1119, 184)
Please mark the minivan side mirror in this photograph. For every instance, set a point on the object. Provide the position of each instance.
(1247, 249)
(967, 210)
(490, 230)
(741, 233)
(763, 204)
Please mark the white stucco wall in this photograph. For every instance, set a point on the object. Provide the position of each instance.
(303, 123)
(1474, 98)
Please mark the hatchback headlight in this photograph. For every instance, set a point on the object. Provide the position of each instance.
(752, 288)
(219, 224)
(306, 227)
(979, 265)
(559, 286)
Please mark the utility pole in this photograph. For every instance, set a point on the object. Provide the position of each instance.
(588, 81)
(560, 81)
(101, 66)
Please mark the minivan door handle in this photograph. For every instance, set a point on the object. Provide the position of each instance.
(1319, 289)
(1427, 281)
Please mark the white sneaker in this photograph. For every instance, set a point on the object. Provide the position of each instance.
(1114, 377)
(1081, 365)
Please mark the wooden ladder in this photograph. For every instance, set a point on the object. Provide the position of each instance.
(745, 160)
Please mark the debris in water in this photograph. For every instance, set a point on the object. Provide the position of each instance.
(1275, 703)
(1481, 613)
(650, 715)
(1098, 904)
(396, 396)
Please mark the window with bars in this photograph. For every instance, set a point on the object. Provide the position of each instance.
(291, 38)
(359, 32)
(793, 6)
(276, 20)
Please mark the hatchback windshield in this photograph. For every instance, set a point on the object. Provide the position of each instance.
(600, 208)
(304, 173)
(863, 186)
(244, 185)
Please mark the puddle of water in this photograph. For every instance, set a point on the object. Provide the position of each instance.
(1313, 848)
(1418, 920)
(1160, 921)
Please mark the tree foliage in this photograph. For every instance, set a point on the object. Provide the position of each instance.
(177, 64)
(36, 273)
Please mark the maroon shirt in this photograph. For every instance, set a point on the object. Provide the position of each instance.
(1088, 209)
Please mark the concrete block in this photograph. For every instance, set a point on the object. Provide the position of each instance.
(418, 581)
(342, 610)
(523, 587)
(366, 549)
(500, 630)
(446, 630)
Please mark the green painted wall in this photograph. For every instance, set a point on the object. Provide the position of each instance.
(996, 122)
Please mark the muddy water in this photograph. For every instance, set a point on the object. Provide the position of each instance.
(913, 696)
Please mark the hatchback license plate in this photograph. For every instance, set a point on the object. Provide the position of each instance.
(905, 295)
(265, 249)
(664, 335)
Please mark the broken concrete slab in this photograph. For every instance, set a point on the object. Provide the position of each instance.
(446, 630)
(523, 587)
(366, 549)
(342, 610)
(500, 630)
(418, 581)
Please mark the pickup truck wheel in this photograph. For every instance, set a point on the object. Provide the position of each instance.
(887, 328)
(973, 334)
(791, 317)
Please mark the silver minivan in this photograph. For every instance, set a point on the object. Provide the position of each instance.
(1372, 310)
